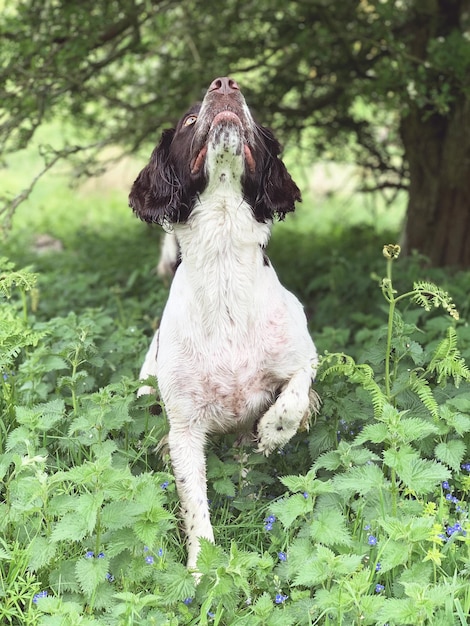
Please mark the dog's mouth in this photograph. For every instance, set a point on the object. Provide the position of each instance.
(225, 117)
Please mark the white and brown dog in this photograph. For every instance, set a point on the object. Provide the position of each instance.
(233, 352)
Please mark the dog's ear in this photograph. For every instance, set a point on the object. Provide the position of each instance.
(155, 195)
(278, 193)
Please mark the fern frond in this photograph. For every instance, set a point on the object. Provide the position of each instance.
(429, 295)
(422, 389)
(447, 360)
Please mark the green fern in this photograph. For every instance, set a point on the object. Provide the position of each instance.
(447, 360)
(23, 279)
(428, 295)
(422, 389)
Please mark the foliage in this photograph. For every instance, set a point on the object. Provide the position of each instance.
(340, 74)
(365, 520)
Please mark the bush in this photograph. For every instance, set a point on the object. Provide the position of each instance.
(371, 528)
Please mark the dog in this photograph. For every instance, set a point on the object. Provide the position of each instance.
(233, 352)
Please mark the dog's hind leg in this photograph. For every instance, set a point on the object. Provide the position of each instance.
(189, 467)
(149, 367)
(291, 410)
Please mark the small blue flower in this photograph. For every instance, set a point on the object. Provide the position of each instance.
(445, 485)
(90, 554)
(268, 526)
(305, 494)
(149, 560)
(270, 519)
(449, 496)
(109, 577)
(367, 527)
(164, 485)
(280, 598)
(466, 467)
(39, 595)
(187, 601)
(379, 588)
(146, 548)
(282, 556)
(210, 614)
(378, 567)
(160, 552)
(371, 540)
(101, 555)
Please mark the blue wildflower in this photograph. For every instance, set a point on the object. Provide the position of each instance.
(187, 601)
(378, 567)
(449, 496)
(445, 485)
(101, 555)
(90, 554)
(160, 552)
(109, 577)
(466, 467)
(282, 556)
(268, 526)
(39, 595)
(379, 588)
(305, 494)
(164, 485)
(149, 560)
(371, 540)
(280, 598)
(270, 519)
(210, 614)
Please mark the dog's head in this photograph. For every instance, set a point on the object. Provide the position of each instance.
(188, 158)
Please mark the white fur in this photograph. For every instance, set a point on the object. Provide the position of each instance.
(231, 338)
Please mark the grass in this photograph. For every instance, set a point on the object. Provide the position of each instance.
(363, 520)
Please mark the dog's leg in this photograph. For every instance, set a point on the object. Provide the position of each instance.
(291, 409)
(189, 467)
(149, 367)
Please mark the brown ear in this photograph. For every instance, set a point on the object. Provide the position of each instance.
(277, 193)
(156, 193)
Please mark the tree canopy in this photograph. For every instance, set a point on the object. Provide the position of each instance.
(385, 82)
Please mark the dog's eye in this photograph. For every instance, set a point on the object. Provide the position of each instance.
(190, 120)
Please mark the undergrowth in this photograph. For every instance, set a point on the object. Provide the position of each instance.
(364, 521)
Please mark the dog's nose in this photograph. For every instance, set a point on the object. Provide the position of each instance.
(223, 85)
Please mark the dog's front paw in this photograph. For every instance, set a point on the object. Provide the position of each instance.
(276, 428)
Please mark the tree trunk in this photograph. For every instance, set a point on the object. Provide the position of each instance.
(437, 149)
(438, 217)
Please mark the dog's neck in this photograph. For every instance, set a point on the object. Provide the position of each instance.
(222, 252)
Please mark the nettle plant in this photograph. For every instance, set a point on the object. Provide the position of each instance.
(373, 532)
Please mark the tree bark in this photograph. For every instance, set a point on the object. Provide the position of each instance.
(437, 149)
(438, 216)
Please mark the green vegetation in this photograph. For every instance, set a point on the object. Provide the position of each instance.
(364, 520)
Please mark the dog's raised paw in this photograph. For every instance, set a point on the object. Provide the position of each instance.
(275, 429)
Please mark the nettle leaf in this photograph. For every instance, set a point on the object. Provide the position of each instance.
(42, 416)
(41, 551)
(451, 453)
(178, 584)
(375, 433)
(263, 606)
(407, 529)
(413, 429)
(90, 573)
(421, 476)
(225, 487)
(330, 527)
(306, 484)
(210, 557)
(290, 508)
(362, 479)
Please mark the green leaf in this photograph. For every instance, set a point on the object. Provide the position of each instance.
(330, 527)
(422, 476)
(90, 573)
(210, 557)
(178, 584)
(362, 480)
(290, 508)
(451, 453)
(375, 433)
(225, 487)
